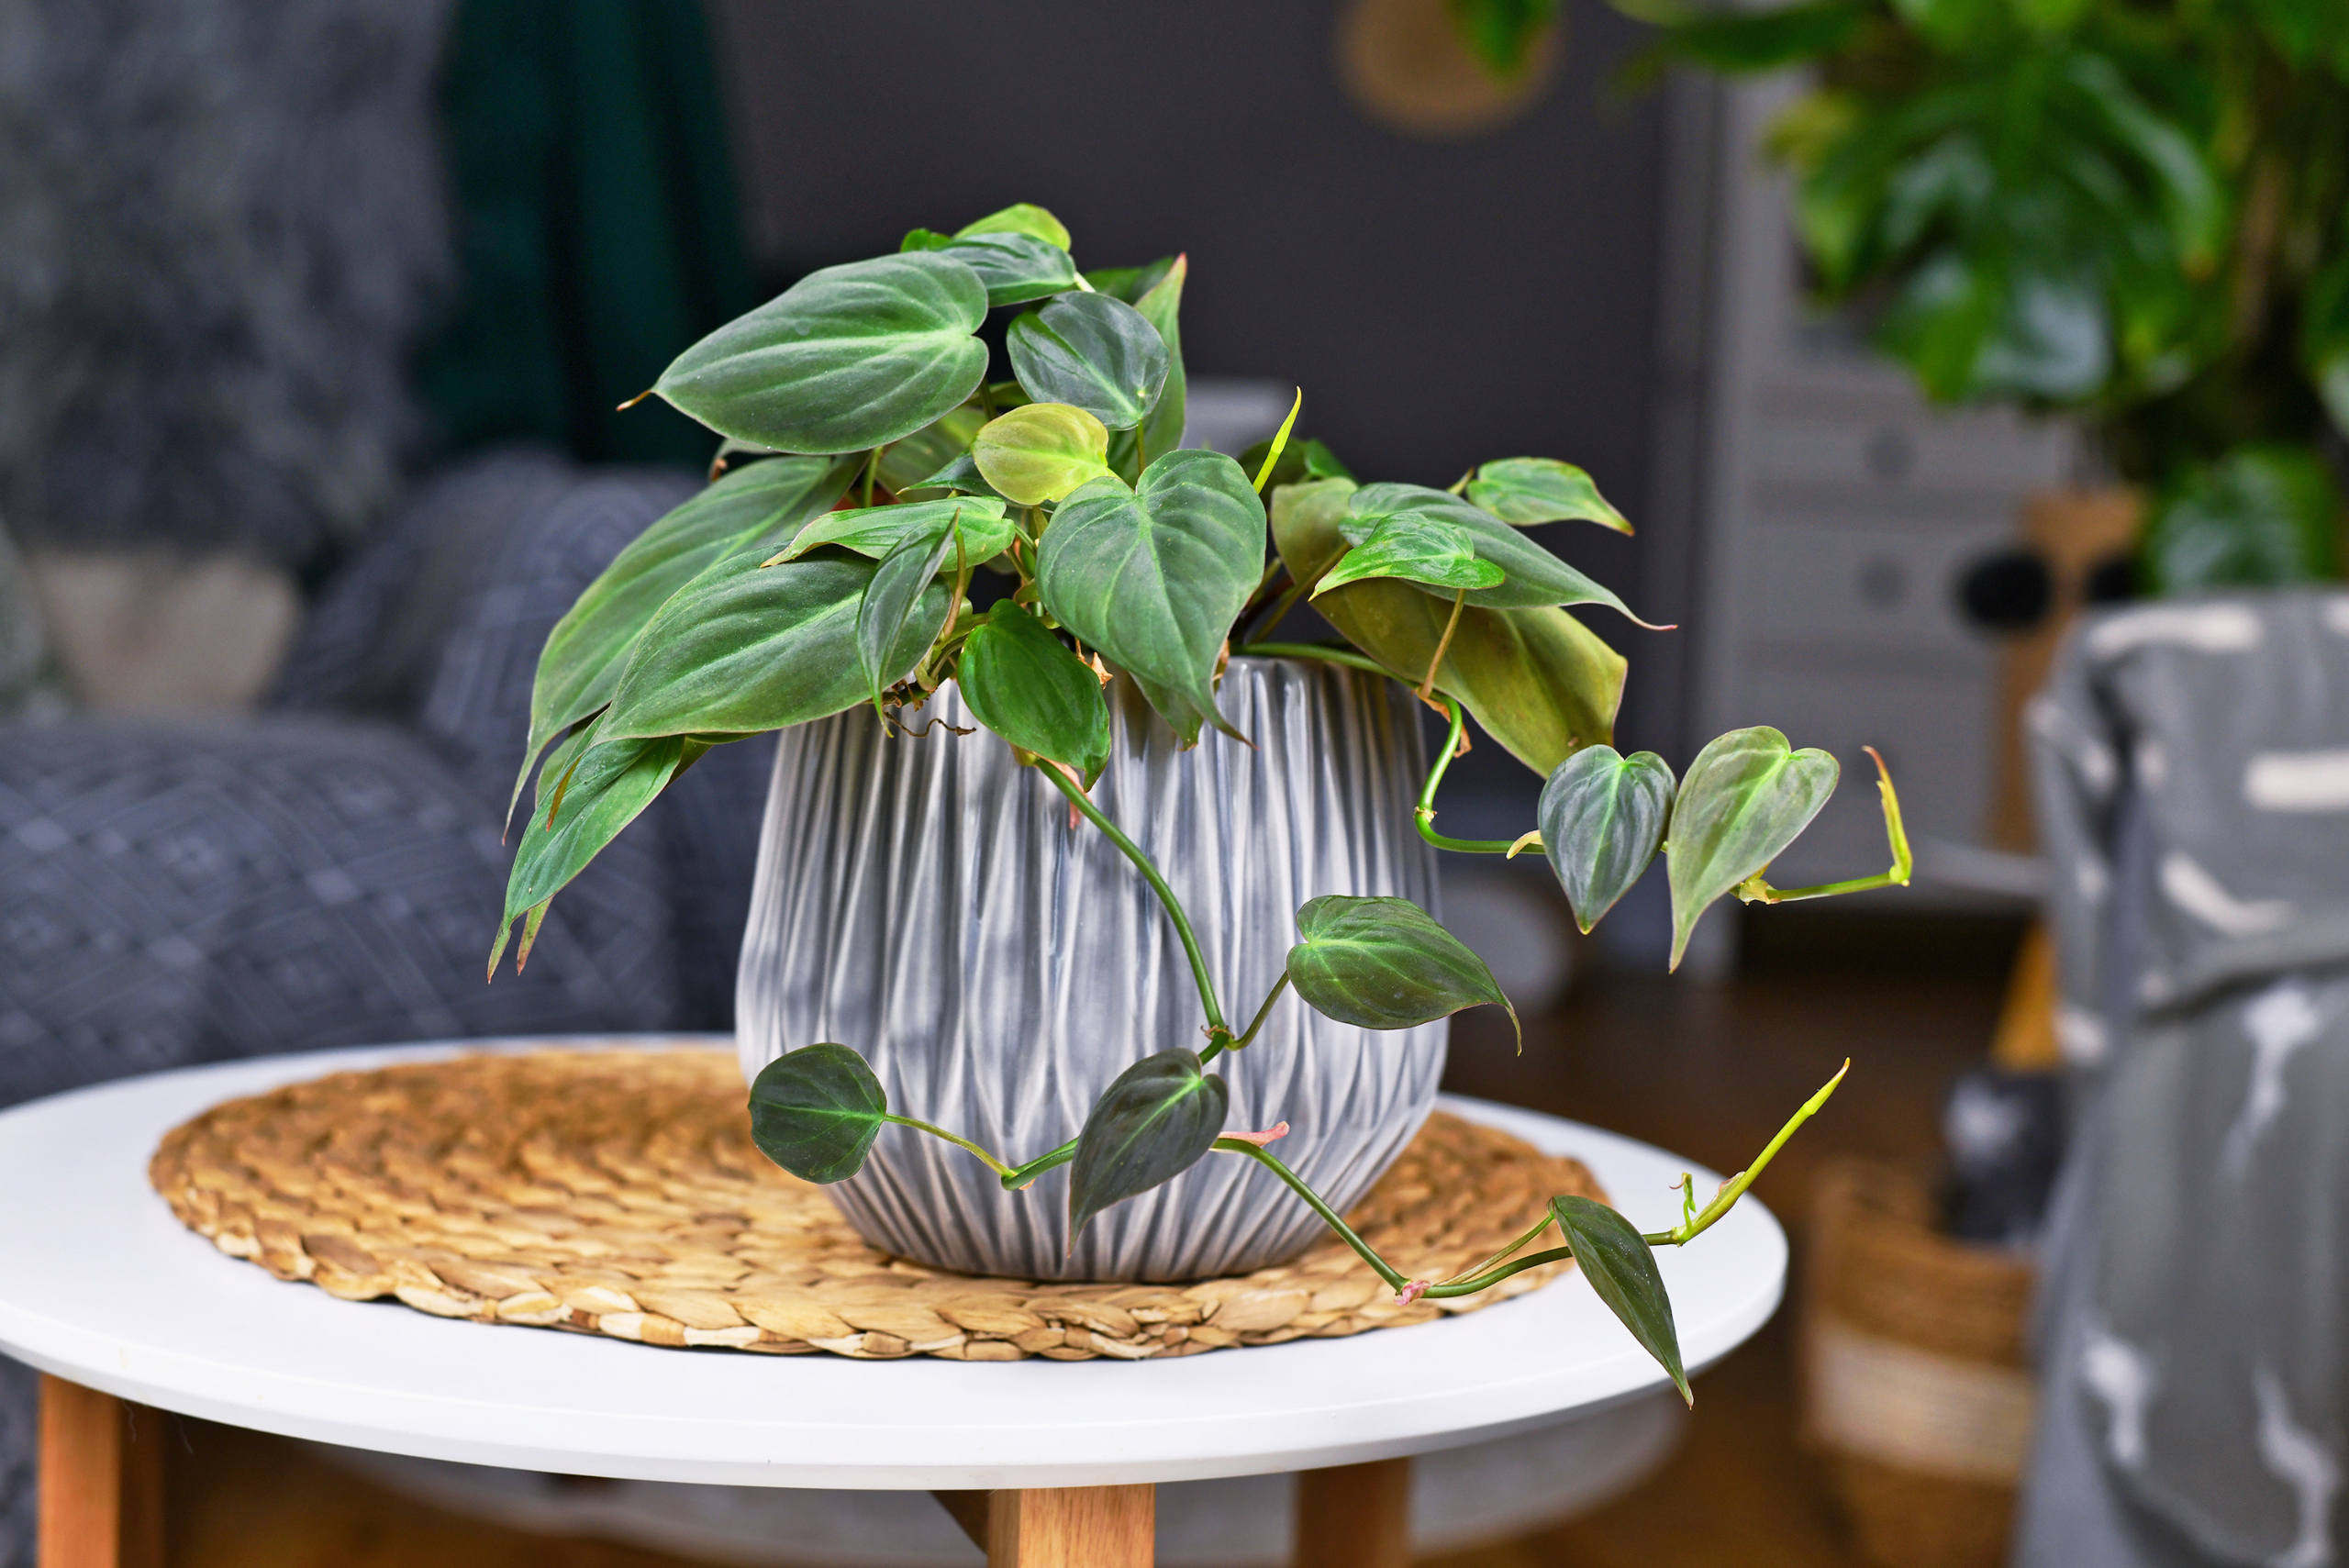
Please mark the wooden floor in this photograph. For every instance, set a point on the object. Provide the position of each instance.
(1707, 1070)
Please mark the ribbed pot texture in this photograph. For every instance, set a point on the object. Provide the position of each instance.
(925, 902)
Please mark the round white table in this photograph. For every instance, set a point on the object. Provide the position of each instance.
(101, 1287)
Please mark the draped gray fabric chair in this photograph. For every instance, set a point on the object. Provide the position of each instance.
(2192, 763)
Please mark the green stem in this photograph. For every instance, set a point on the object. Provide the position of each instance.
(1734, 1189)
(1425, 815)
(1321, 650)
(872, 467)
(1076, 797)
(1330, 1217)
(992, 1164)
(1020, 1175)
(1486, 1280)
(1263, 1012)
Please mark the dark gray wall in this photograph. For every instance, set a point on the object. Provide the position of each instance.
(1440, 302)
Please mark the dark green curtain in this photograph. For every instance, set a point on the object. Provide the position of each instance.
(597, 231)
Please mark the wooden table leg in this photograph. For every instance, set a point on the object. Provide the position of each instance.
(1057, 1527)
(101, 1480)
(1355, 1516)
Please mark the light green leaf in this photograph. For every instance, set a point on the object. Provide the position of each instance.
(814, 1112)
(1602, 816)
(1154, 576)
(1040, 451)
(1539, 682)
(847, 358)
(1745, 798)
(1533, 577)
(1525, 490)
(1621, 1269)
(1022, 681)
(1091, 351)
(747, 648)
(1150, 1125)
(874, 531)
(1384, 963)
(580, 665)
(1416, 548)
(1020, 218)
(893, 601)
(1016, 268)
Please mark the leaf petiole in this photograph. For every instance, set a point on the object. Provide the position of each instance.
(992, 1164)
(1424, 816)
(1754, 890)
(1077, 798)
(1734, 1189)
(1330, 1217)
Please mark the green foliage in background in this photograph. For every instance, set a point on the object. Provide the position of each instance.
(2133, 210)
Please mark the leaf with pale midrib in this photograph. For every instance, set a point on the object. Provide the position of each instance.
(1744, 799)
(1621, 1269)
(814, 1112)
(1150, 1125)
(1602, 814)
(1384, 963)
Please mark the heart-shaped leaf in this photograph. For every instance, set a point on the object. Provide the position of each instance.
(1525, 490)
(1417, 548)
(1602, 816)
(1024, 682)
(1148, 1127)
(580, 665)
(1621, 1269)
(893, 602)
(747, 647)
(1539, 682)
(1092, 352)
(1532, 576)
(606, 785)
(1746, 797)
(1019, 217)
(847, 358)
(1384, 963)
(1040, 451)
(814, 1112)
(1016, 268)
(874, 531)
(961, 473)
(1156, 575)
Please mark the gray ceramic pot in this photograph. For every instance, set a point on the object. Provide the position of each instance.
(925, 902)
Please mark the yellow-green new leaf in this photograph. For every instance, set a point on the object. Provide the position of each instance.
(1526, 490)
(873, 531)
(1040, 451)
(1415, 548)
(1745, 798)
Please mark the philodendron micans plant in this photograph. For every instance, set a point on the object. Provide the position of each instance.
(870, 471)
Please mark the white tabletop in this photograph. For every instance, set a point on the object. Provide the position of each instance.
(99, 1283)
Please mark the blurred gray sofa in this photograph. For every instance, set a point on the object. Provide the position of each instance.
(329, 872)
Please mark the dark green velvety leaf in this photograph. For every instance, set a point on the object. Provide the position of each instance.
(1533, 577)
(1621, 1269)
(960, 474)
(1092, 352)
(1148, 1127)
(1525, 490)
(1384, 963)
(1416, 548)
(612, 783)
(814, 1112)
(905, 464)
(747, 648)
(1016, 268)
(1040, 451)
(1539, 682)
(1602, 816)
(893, 603)
(847, 358)
(1154, 576)
(1746, 797)
(580, 665)
(874, 531)
(1019, 217)
(1159, 297)
(1022, 681)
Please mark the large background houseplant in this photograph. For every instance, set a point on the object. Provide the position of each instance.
(889, 519)
(2133, 211)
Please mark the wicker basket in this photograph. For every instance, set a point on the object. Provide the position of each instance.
(1915, 1392)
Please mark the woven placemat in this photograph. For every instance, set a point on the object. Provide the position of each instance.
(618, 1192)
